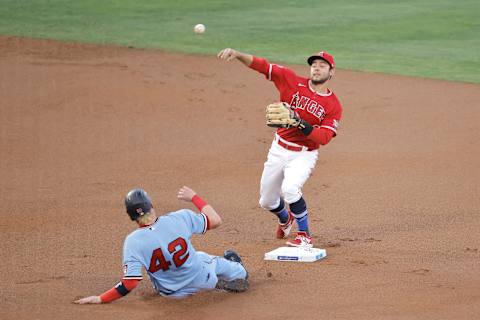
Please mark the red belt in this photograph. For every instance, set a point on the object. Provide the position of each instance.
(289, 147)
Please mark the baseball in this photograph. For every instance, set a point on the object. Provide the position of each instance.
(199, 28)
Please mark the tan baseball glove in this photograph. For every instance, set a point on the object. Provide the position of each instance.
(281, 115)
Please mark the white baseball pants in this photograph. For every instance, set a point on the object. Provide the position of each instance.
(284, 174)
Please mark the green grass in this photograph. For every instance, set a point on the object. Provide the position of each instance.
(432, 38)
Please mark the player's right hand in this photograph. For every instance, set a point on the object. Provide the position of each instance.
(89, 300)
(186, 194)
(227, 54)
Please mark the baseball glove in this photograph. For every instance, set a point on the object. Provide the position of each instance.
(281, 115)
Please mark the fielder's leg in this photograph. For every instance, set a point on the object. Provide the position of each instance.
(297, 173)
(271, 181)
(300, 213)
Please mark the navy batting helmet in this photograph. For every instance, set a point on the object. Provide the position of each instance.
(137, 203)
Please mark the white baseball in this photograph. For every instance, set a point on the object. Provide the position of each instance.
(199, 28)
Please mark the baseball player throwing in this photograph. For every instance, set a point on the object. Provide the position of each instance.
(307, 117)
(162, 247)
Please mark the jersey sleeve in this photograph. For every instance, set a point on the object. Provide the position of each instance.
(132, 267)
(332, 119)
(278, 74)
(196, 222)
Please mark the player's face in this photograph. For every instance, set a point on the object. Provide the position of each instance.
(320, 71)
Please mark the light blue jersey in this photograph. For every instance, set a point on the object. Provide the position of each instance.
(165, 251)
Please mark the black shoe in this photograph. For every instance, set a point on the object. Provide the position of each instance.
(232, 256)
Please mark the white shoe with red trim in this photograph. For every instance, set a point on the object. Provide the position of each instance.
(302, 240)
(283, 229)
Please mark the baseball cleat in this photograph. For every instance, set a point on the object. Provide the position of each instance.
(232, 256)
(283, 229)
(302, 240)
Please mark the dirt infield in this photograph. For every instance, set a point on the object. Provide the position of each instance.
(395, 198)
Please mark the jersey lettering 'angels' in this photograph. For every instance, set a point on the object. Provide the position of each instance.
(305, 103)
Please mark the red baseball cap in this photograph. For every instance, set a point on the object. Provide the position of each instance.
(324, 56)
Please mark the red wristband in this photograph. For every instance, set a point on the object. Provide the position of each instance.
(199, 202)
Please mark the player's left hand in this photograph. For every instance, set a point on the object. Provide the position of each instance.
(89, 300)
(281, 115)
(186, 194)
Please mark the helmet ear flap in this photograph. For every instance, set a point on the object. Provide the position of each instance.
(137, 203)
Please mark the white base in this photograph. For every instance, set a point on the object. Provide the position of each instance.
(296, 254)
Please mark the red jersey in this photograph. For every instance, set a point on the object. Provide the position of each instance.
(318, 109)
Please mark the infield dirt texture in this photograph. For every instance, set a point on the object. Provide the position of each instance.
(394, 198)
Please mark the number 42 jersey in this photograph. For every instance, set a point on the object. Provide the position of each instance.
(165, 251)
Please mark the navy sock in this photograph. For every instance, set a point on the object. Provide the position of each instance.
(281, 212)
(300, 212)
(303, 224)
